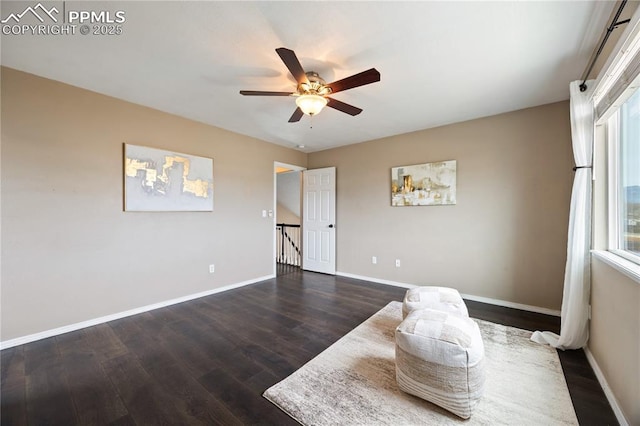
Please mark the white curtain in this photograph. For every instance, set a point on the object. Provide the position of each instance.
(574, 329)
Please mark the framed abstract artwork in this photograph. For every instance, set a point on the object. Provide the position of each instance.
(156, 180)
(428, 184)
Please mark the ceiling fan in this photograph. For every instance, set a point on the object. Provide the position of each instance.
(312, 92)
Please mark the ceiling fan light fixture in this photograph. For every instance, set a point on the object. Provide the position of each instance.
(311, 104)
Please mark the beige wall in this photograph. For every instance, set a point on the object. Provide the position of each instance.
(614, 329)
(615, 335)
(70, 253)
(506, 237)
(288, 197)
(284, 215)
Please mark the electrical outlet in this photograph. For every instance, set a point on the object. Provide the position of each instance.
(212, 269)
(397, 263)
(374, 260)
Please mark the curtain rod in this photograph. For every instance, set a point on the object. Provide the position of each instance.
(614, 24)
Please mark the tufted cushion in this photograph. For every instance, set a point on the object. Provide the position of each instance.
(438, 298)
(440, 358)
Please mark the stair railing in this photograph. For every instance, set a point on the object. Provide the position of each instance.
(288, 244)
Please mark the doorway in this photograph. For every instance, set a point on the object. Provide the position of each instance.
(288, 218)
(304, 231)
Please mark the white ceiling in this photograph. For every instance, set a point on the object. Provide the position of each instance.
(440, 62)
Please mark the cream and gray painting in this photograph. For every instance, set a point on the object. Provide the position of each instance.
(424, 184)
(157, 180)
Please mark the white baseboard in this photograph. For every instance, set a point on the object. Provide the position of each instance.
(506, 304)
(488, 300)
(77, 326)
(375, 280)
(605, 387)
(89, 323)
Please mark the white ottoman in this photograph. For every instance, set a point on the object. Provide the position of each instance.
(440, 358)
(438, 298)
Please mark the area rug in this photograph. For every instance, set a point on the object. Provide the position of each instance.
(353, 382)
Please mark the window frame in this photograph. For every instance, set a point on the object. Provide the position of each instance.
(614, 230)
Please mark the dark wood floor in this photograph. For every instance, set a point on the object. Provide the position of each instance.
(208, 361)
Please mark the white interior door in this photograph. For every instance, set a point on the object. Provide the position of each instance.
(318, 220)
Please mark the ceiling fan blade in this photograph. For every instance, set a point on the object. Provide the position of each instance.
(341, 106)
(261, 93)
(290, 59)
(365, 77)
(296, 116)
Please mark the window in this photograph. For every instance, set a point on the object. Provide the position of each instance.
(624, 179)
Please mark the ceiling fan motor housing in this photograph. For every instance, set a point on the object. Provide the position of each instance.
(315, 86)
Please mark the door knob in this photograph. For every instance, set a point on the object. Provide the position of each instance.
(331, 226)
